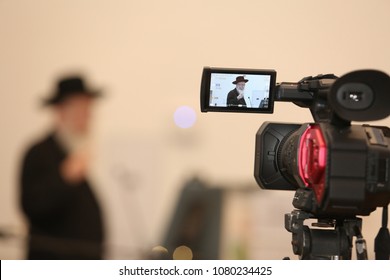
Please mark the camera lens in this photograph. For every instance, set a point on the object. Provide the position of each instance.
(302, 158)
(287, 156)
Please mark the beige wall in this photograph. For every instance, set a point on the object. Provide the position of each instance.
(156, 49)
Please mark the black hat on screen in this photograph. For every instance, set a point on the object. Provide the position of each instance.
(240, 79)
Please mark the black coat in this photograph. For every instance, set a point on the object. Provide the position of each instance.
(65, 220)
(232, 99)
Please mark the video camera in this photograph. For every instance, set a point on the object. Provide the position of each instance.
(338, 170)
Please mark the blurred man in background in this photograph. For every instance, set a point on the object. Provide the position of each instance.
(65, 220)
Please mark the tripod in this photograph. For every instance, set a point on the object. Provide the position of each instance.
(332, 239)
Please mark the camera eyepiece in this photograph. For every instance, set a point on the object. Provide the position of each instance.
(362, 95)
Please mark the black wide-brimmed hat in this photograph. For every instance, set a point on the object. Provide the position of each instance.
(240, 79)
(70, 86)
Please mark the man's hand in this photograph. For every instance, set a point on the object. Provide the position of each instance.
(74, 168)
(241, 95)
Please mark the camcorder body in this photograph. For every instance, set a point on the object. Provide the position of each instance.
(337, 169)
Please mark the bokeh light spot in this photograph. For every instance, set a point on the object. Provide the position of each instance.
(160, 249)
(182, 253)
(185, 117)
(159, 253)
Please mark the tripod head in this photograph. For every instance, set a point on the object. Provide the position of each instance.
(331, 239)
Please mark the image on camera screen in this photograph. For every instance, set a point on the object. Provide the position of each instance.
(239, 90)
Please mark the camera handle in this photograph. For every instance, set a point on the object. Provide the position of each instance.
(322, 242)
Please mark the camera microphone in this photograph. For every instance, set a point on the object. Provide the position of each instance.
(250, 102)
